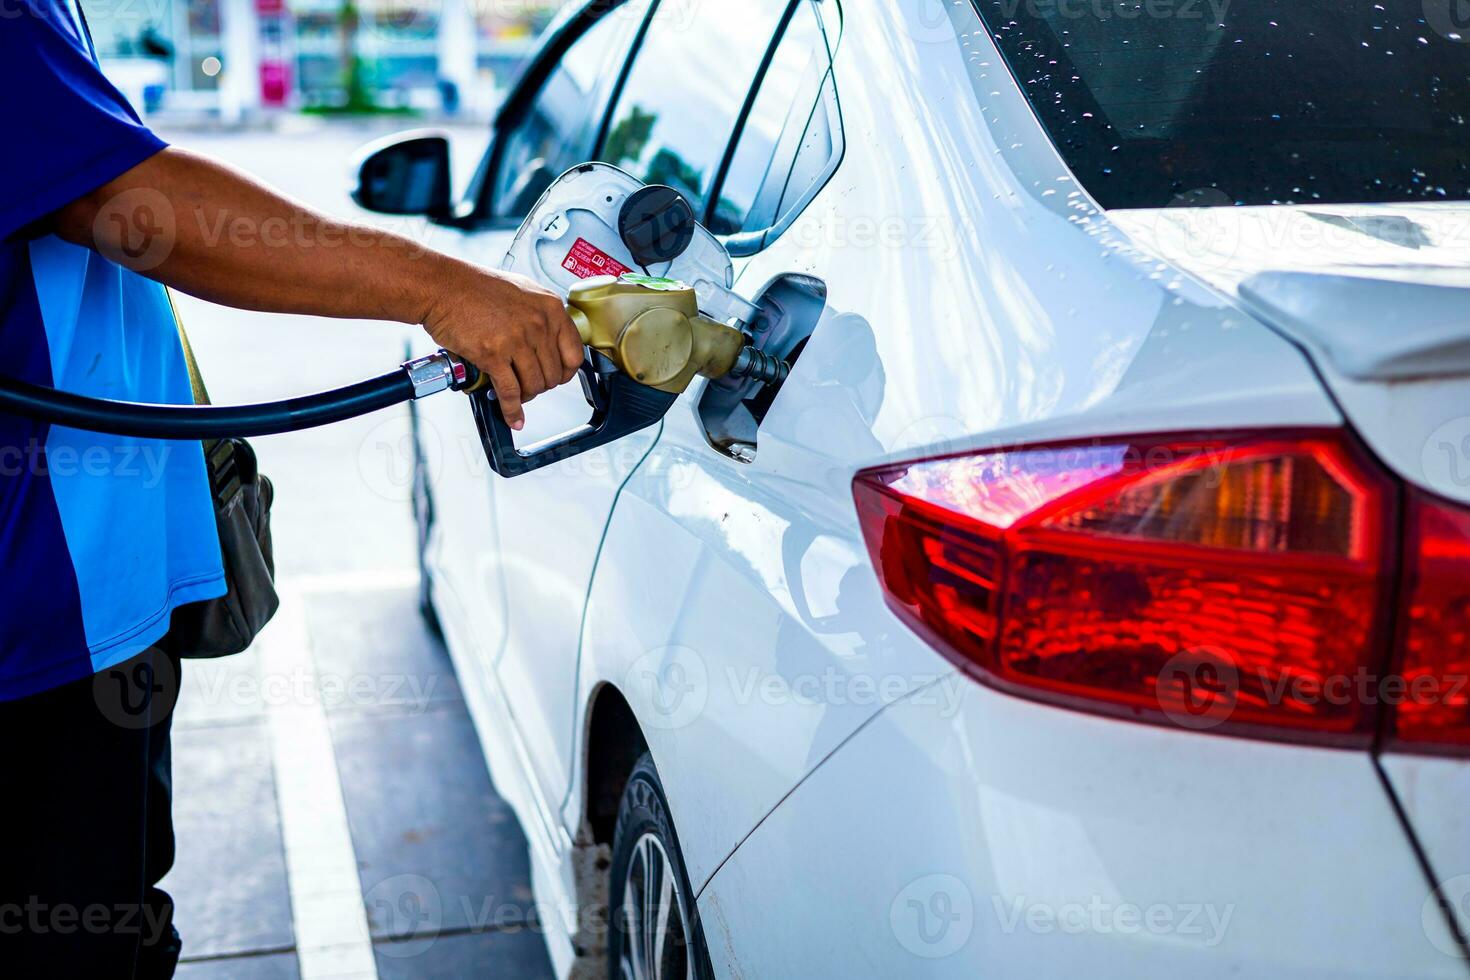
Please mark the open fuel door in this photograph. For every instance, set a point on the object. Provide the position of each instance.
(598, 221)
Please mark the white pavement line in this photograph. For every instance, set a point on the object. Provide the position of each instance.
(327, 910)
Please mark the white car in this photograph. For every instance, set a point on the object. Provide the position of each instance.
(1094, 598)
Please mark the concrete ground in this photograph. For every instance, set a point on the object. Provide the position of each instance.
(333, 811)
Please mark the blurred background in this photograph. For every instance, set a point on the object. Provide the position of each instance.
(235, 62)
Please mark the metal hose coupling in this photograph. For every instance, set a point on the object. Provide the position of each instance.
(760, 366)
(440, 371)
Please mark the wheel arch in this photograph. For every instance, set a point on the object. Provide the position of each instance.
(613, 742)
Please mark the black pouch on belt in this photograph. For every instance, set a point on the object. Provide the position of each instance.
(242, 509)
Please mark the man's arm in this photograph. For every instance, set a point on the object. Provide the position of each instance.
(234, 241)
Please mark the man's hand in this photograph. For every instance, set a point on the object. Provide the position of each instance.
(510, 328)
(192, 223)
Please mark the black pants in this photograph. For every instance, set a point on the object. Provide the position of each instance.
(87, 828)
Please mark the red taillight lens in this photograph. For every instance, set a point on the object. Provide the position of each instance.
(1231, 582)
(1433, 711)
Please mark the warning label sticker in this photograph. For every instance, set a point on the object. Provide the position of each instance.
(586, 260)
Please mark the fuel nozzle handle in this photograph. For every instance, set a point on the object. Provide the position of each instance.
(751, 362)
(646, 342)
(652, 330)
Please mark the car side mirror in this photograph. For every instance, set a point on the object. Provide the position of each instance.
(406, 174)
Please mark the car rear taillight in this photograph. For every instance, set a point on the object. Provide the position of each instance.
(1232, 583)
(1433, 712)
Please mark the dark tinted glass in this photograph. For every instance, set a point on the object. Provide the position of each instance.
(783, 111)
(684, 93)
(1248, 101)
(561, 126)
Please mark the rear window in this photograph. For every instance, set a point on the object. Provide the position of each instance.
(1248, 102)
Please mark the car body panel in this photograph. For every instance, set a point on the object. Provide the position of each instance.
(734, 605)
(1435, 795)
(1005, 839)
(1378, 294)
(546, 567)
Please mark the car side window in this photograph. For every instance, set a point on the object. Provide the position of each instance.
(560, 128)
(792, 138)
(688, 83)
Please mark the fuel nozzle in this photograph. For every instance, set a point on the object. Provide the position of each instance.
(652, 329)
(757, 365)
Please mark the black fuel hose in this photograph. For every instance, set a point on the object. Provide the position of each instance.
(203, 421)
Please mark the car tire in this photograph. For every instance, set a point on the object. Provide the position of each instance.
(647, 864)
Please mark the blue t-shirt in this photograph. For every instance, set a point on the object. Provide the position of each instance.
(100, 537)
